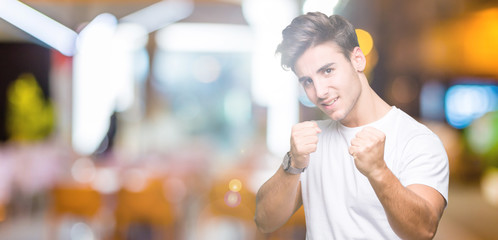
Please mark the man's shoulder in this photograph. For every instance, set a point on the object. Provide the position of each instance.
(409, 128)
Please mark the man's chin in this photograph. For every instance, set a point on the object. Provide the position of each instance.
(336, 116)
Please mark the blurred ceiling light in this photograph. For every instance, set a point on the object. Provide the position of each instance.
(102, 26)
(94, 89)
(272, 87)
(324, 6)
(160, 14)
(271, 15)
(365, 40)
(105, 70)
(39, 26)
(131, 36)
(205, 37)
(129, 40)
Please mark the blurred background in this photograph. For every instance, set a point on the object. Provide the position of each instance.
(147, 119)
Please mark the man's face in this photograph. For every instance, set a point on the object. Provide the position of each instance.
(329, 79)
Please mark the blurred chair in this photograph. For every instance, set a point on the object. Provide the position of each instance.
(145, 214)
(72, 201)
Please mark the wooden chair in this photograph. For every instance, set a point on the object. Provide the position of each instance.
(145, 214)
(73, 201)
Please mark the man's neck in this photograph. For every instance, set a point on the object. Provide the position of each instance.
(369, 108)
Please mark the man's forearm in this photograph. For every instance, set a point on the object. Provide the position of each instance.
(410, 215)
(276, 201)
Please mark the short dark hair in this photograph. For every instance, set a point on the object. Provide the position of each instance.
(313, 29)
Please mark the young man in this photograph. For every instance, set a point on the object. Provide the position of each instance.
(370, 171)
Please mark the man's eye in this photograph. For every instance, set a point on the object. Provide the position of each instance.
(328, 70)
(307, 82)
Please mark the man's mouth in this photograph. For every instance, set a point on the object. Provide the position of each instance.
(330, 102)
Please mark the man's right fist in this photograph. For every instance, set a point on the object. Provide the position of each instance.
(304, 138)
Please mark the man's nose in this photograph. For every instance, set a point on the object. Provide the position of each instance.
(321, 89)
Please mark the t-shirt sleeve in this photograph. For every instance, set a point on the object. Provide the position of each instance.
(425, 162)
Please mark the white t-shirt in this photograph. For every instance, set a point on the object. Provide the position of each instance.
(340, 203)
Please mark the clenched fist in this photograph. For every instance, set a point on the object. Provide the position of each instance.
(367, 149)
(304, 138)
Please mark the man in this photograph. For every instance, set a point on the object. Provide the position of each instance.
(370, 171)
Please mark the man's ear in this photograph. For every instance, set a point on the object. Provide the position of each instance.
(358, 59)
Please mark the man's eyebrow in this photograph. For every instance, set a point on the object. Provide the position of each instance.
(324, 67)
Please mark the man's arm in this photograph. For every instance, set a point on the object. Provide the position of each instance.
(277, 200)
(413, 211)
(280, 196)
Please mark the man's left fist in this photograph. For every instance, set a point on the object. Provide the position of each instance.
(367, 149)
